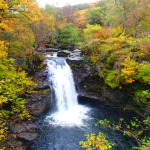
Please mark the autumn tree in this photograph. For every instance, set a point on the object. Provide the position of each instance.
(96, 16)
(16, 19)
(68, 36)
(44, 29)
(68, 14)
(131, 14)
(14, 87)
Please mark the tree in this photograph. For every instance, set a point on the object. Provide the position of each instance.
(132, 15)
(16, 18)
(96, 16)
(14, 87)
(44, 30)
(68, 36)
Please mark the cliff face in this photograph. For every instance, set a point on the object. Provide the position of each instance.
(90, 85)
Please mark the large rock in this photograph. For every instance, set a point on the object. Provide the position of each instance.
(63, 53)
(89, 84)
(43, 50)
(39, 103)
(52, 49)
(74, 60)
(27, 136)
(75, 53)
(18, 128)
(75, 57)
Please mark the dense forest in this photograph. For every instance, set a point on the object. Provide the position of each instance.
(114, 35)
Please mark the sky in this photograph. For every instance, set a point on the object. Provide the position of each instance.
(61, 3)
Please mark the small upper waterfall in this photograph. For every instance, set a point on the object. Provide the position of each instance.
(68, 111)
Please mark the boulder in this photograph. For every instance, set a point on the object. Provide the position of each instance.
(40, 49)
(42, 86)
(75, 60)
(63, 53)
(75, 53)
(27, 136)
(21, 148)
(38, 104)
(51, 50)
(18, 129)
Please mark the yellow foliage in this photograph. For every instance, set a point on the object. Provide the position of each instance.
(3, 5)
(130, 69)
(3, 49)
(97, 142)
(90, 31)
(81, 12)
(5, 26)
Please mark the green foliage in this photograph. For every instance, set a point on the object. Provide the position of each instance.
(97, 142)
(142, 96)
(14, 87)
(95, 16)
(137, 129)
(68, 36)
(112, 79)
(121, 61)
(14, 84)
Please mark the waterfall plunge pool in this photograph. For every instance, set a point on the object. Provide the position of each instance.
(65, 126)
(54, 136)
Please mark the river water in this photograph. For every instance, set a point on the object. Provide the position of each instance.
(65, 126)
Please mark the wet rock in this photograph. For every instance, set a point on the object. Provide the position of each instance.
(31, 128)
(41, 49)
(52, 49)
(38, 104)
(63, 53)
(75, 53)
(18, 129)
(41, 80)
(75, 60)
(42, 86)
(21, 148)
(115, 96)
(27, 136)
(80, 71)
(20, 135)
(89, 84)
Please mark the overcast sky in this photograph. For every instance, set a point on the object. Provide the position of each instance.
(60, 3)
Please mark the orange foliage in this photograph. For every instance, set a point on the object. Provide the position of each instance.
(80, 22)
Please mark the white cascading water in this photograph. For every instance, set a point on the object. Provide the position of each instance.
(68, 111)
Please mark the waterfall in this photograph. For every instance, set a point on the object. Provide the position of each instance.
(61, 79)
(68, 111)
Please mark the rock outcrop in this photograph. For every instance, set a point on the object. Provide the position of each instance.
(90, 85)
